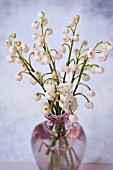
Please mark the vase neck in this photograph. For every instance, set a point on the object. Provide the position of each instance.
(58, 118)
(58, 125)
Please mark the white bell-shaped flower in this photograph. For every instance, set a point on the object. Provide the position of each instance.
(89, 105)
(73, 118)
(18, 76)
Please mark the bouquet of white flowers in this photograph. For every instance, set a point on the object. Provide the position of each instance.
(61, 94)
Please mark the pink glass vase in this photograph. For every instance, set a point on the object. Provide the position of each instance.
(57, 144)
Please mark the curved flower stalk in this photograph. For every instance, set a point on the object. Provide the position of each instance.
(60, 92)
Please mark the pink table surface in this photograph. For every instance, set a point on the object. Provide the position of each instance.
(30, 166)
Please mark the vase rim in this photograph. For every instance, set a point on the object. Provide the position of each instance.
(58, 118)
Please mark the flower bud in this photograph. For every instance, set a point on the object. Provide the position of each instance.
(49, 31)
(76, 17)
(25, 48)
(89, 105)
(58, 56)
(9, 42)
(35, 36)
(71, 24)
(35, 25)
(66, 38)
(13, 50)
(45, 21)
(18, 76)
(76, 51)
(23, 68)
(66, 69)
(86, 77)
(10, 59)
(49, 87)
(50, 95)
(33, 81)
(75, 38)
(90, 93)
(45, 108)
(110, 47)
(18, 60)
(37, 96)
(99, 70)
(91, 53)
(55, 74)
(103, 56)
(65, 30)
(46, 59)
(18, 43)
(39, 43)
(73, 67)
(105, 45)
(73, 118)
(84, 43)
(62, 49)
(92, 69)
(13, 35)
(41, 14)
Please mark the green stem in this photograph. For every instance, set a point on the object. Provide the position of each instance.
(98, 43)
(75, 78)
(71, 47)
(66, 45)
(67, 160)
(92, 65)
(54, 66)
(30, 57)
(85, 85)
(50, 79)
(40, 147)
(51, 165)
(70, 154)
(76, 156)
(70, 28)
(53, 63)
(45, 74)
(24, 61)
(72, 162)
(84, 50)
(42, 29)
(82, 69)
(77, 57)
(82, 95)
(68, 59)
(54, 50)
